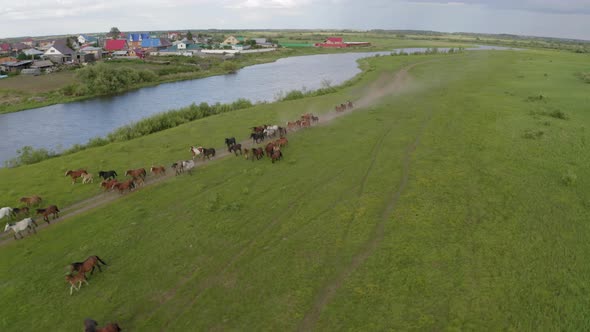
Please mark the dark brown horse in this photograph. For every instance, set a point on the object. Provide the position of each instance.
(258, 153)
(21, 210)
(32, 200)
(160, 170)
(76, 174)
(276, 156)
(235, 148)
(88, 265)
(140, 172)
(208, 153)
(315, 119)
(90, 325)
(349, 105)
(50, 210)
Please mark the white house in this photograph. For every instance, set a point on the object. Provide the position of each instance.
(59, 53)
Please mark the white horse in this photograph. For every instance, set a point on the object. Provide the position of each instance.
(5, 211)
(196, 151)
(271, 130)
(188, 166)
(27, 223)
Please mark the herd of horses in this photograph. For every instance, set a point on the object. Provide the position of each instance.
(28, 223)
(343, 107)
(77, 270)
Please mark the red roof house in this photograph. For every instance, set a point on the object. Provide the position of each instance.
(338, 42)
(5, 48)
(115, 45)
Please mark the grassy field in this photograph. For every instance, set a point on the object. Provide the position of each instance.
(459, 204)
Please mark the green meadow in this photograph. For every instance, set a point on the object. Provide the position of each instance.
(457, 202)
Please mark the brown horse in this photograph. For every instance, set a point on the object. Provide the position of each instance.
(87, 266)
(76, 279)
(315, 119)
(235, 148)
(349, 105)
(276, 156)
(50, 210)
(134, 173)
(305, 124)
(258, 153)
(268, 149)
(108, 184)
(292, 125)
(76, 174)
(160, 170)
(32, 200)
(127, 185)
(281, 142)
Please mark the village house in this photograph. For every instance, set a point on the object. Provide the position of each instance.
(174, 35)
(134, 39)
(113, 45)
(97, 52)
(31, 52)
(44, 45)
(5, 48)
(42, 65)
(19, 47)
(338, 42)
(29, 42)
(85, 39)
(15, 66)
(231, 40)
(59, 53)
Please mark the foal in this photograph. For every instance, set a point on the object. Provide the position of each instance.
(73, 279)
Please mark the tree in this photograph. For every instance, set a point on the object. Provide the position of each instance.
(114, 33)
(189, 35)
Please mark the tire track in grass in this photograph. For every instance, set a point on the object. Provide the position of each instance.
(329, 290)
(216, 277)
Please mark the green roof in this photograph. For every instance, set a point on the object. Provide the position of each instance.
(240, 38)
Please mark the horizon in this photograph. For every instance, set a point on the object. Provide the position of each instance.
(343, 30)
(533, 18)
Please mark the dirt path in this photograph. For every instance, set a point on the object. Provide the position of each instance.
(329, 290)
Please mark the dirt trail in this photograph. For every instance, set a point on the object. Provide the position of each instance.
(329, 290)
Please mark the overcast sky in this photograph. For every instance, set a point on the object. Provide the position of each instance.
(553, 18)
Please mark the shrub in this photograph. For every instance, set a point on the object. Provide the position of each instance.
(558, 114)
(28, 155)
(569, 178)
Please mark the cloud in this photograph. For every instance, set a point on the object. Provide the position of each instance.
(266, 4)
(547, 6)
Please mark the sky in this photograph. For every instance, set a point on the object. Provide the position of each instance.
(550, 18)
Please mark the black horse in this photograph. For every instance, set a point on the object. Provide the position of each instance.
(257, 137)
(107, 174)
(235, 148)
(208, 153)
(230, 141)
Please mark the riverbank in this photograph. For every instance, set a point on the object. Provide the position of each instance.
(29, 92)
